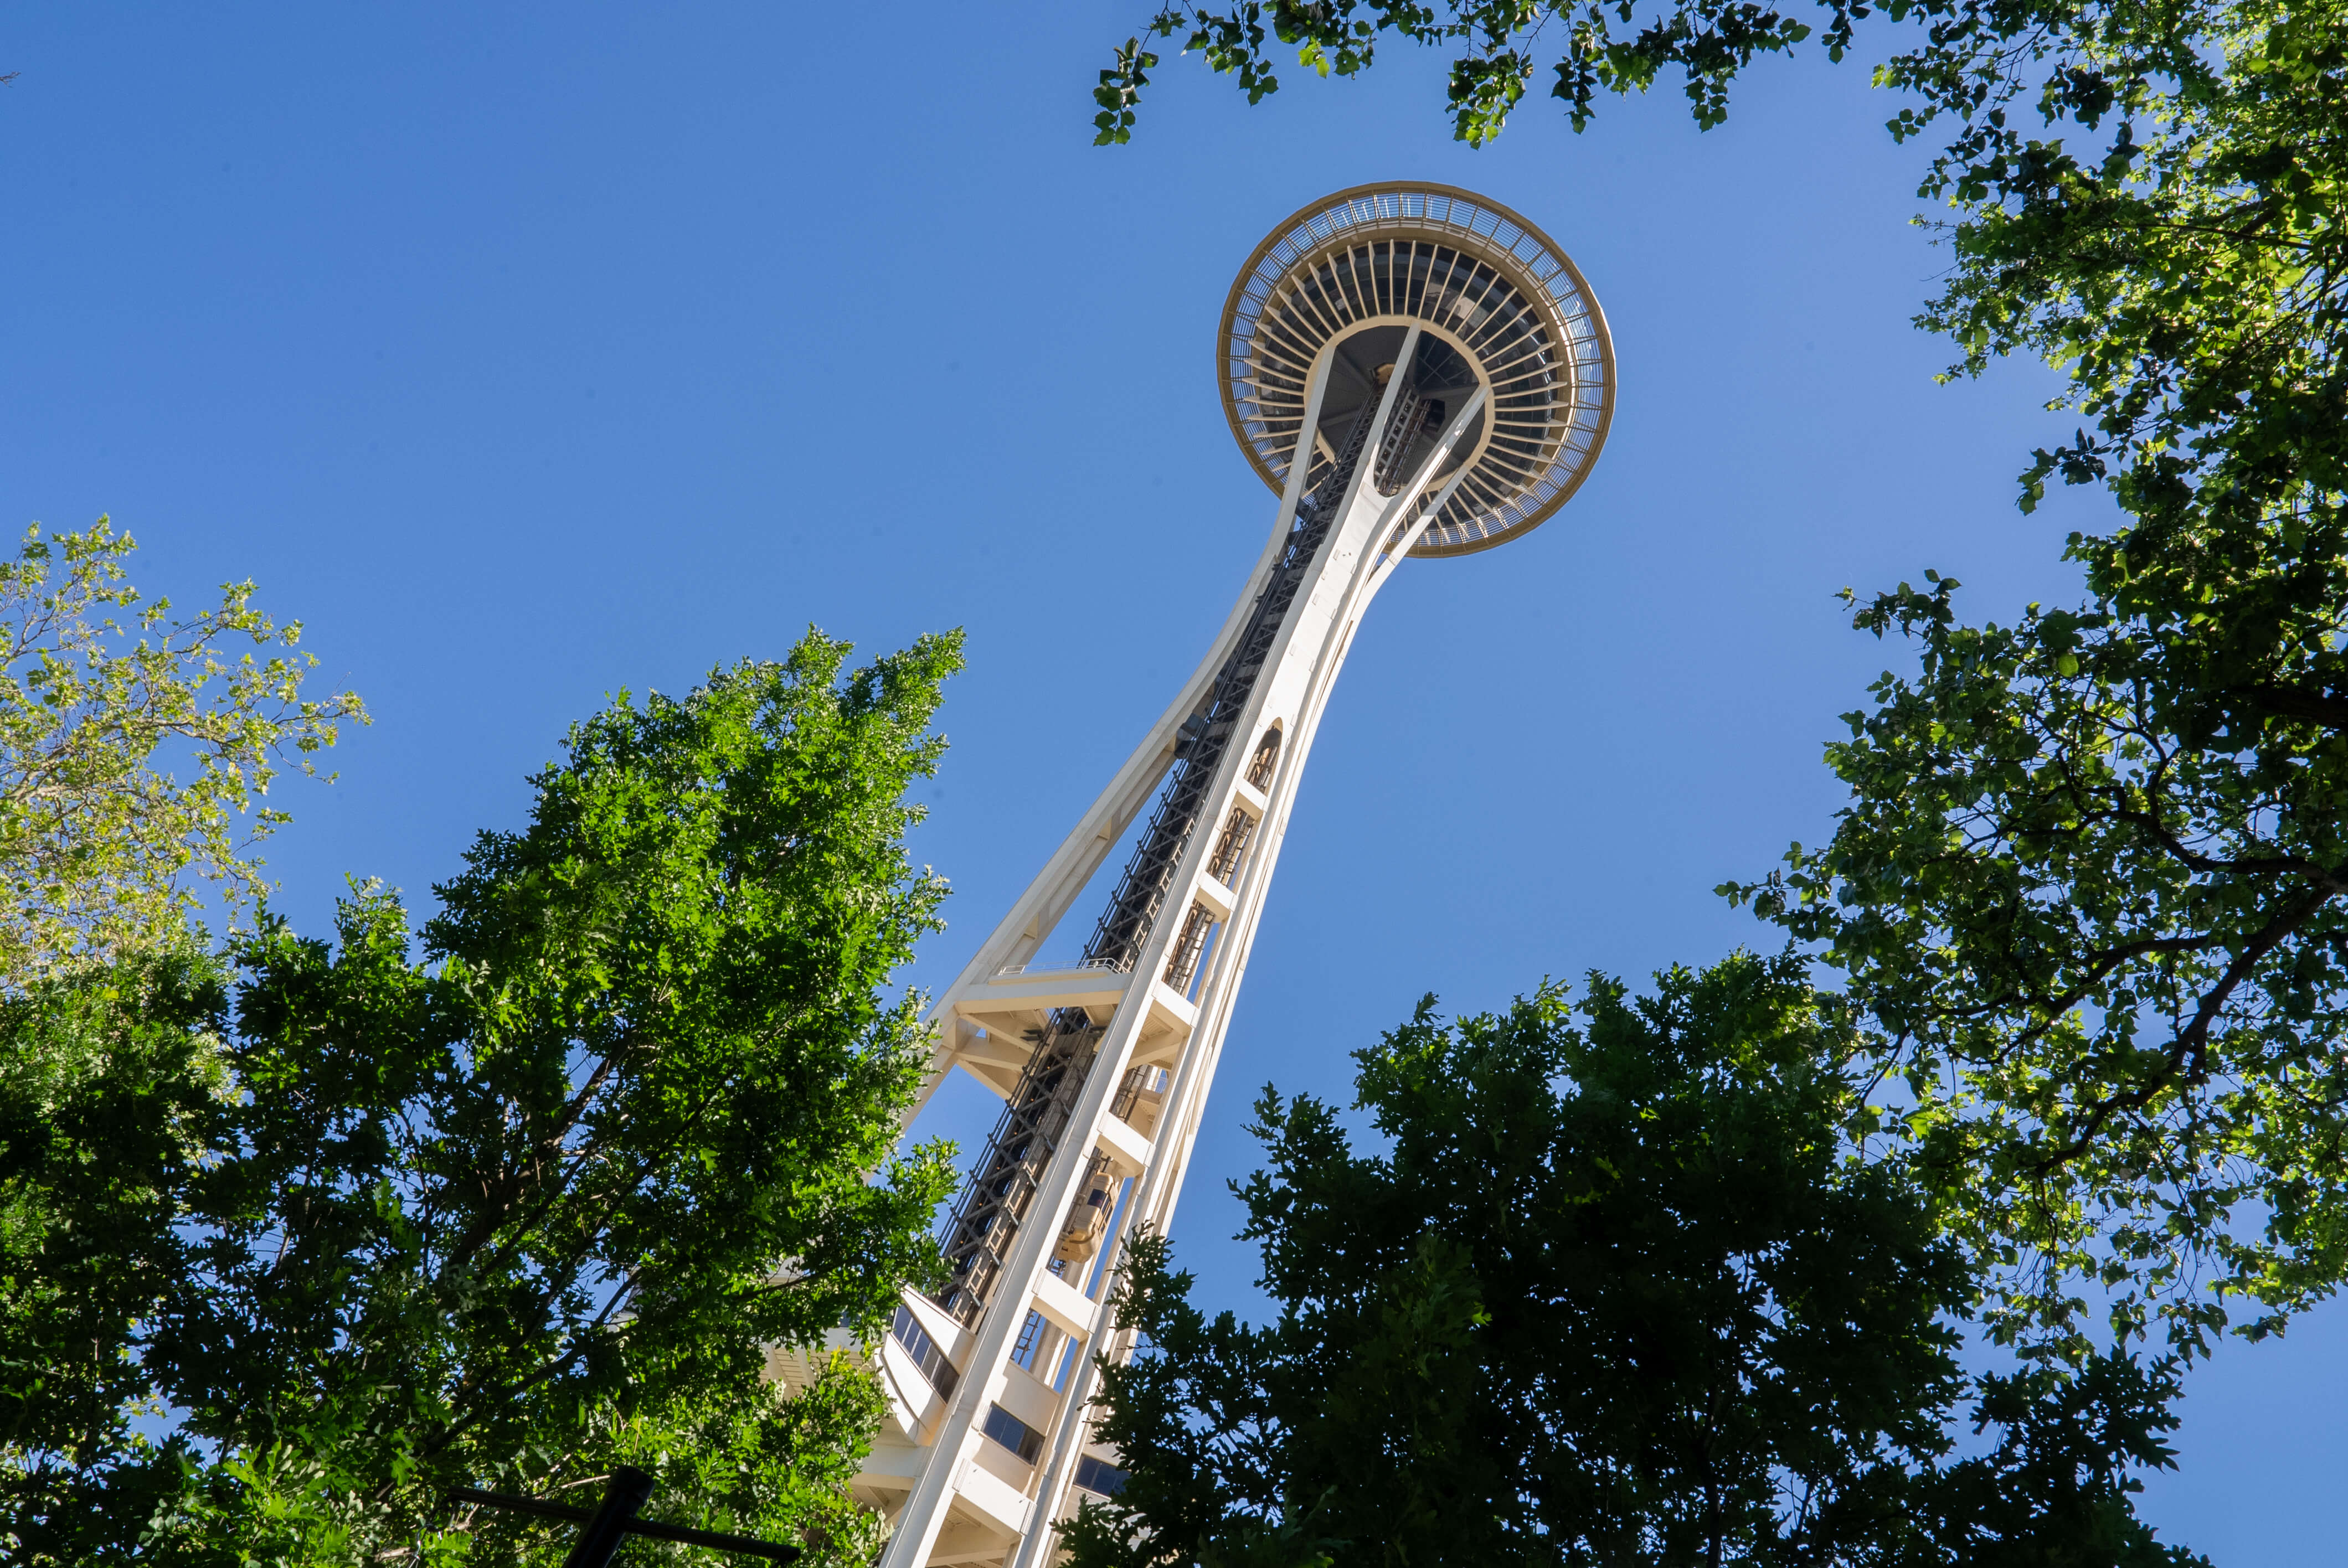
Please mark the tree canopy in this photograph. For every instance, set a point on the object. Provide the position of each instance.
(508, 1199)
(97, 834)
(1653, 1288)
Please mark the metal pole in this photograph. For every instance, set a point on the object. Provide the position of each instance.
(716, 1540)
(629, 1490)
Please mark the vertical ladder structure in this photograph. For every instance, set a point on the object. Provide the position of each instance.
(1414, 370)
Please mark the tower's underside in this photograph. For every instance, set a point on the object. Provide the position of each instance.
(1447, 379)
(1481, 281)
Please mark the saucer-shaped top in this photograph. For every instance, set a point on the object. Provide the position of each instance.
(1336, 280)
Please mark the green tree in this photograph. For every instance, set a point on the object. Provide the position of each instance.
(529, 1191)
(110, 1089)
(1657, 1289)
(2091, 879)
(96, 837)
(2103, 925)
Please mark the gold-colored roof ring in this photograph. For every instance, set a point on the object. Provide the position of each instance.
(1408, 251)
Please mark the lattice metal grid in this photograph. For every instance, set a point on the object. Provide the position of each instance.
(1466, 267)
(1002, 1189)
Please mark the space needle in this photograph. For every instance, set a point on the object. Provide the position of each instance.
(1415, 372)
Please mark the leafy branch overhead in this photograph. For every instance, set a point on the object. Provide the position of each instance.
(102, 695)
(1972, 57)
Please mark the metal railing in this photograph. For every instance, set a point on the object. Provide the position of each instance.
(1061, 966)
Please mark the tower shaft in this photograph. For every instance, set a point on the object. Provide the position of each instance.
(1105, 1063)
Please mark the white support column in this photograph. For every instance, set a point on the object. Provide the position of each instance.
(1037, 912)
(1152, 1203)
(960, 1499)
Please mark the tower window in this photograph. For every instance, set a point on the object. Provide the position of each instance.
(1012, 1433)
(1094, 1476)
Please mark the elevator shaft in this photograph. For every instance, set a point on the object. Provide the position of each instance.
(978, 1238)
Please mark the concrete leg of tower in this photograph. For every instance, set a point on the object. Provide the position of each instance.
(979, 1473)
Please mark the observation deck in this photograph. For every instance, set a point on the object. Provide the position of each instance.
(1498, 303)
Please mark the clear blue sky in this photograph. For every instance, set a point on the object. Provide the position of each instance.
(530, 353)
